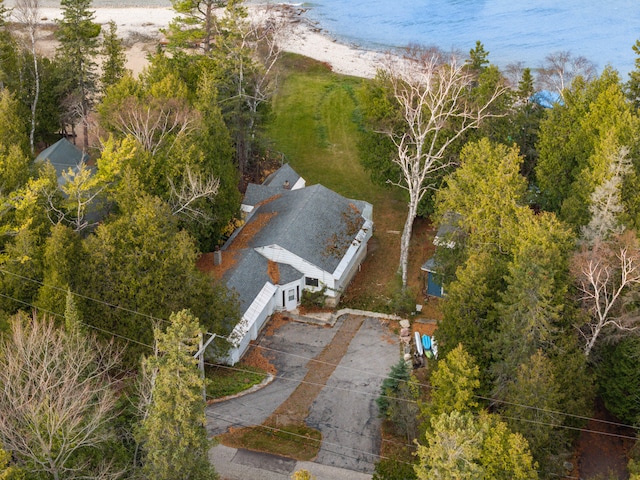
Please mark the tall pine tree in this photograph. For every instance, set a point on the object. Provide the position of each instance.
(78, 36)
(173, 433)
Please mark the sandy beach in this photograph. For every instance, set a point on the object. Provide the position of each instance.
(141, 30)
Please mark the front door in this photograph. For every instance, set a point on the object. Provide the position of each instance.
(290, 299)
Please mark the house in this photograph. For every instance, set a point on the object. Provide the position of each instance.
(63, 155)
(447, 236)
(295, 237)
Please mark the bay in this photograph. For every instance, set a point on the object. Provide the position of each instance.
(511, 30)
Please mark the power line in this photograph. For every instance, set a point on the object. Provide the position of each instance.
(302, 438)
(268, 413)
(323, 443)
(85, 297)
(307, 440)
(83, 323)
(580, 417)
(480, 397)
(502, 416)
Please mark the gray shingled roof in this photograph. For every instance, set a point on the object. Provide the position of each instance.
(301, 221)
(258, 193)
(250, 273)
(62, 155)
(304, 222)
(284, 173)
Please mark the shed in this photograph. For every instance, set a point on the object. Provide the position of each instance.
(434, 282)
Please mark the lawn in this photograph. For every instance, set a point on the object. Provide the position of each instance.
(315, 125)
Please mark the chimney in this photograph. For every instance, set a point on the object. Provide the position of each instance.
(286, 185)
(217, 256)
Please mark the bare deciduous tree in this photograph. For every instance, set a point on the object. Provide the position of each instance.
(559, 70)
(605, 273)
(57, 398)
(154, 123)
(433, 100)
(194, 187)
(27, 14)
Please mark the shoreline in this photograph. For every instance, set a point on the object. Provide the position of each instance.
(140, 28)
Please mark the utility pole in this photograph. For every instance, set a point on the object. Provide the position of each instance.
(200, 356)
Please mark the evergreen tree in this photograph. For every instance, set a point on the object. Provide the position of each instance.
(7, 470)
(194, 23)
(72, 318)
(531, 307)
(535, 386)
(619, 379)
(173, 432)
(455, 382)
(633, 84)
(78, 37)
(61, 256)
(461, 446)
(478, 58)
(525, 86)
(113, 66)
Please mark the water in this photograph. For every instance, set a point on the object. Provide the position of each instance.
(511, 30)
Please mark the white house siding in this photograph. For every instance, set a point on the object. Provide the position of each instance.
(346, 269)
(297, 286)
(278, 254)
(301, 183)
(253, 320)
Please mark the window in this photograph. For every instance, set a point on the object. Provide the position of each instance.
(311, 282)
(292, 295)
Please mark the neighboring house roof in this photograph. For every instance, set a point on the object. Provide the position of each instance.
(449, 230)
(63, 155)
(430, 265)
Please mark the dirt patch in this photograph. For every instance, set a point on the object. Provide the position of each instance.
(603, 456)
(377, 279)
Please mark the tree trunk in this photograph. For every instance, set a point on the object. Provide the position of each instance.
(36, 95)
(207, 29)
(405, 241)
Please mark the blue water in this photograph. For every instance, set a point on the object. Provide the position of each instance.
(511, 30)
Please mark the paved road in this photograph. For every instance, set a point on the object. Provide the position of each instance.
(344, 411)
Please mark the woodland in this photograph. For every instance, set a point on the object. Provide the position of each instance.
(102, 306)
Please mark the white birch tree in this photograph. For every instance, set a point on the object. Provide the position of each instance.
(605, 274)
(27, 13)
(436, 109)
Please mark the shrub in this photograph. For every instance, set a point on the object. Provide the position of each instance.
(314, 299)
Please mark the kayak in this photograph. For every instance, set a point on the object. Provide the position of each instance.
(426, 342)
(419, 347)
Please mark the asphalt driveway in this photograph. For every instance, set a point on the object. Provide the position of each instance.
(345, 410)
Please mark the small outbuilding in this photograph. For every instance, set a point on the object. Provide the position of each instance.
(63, 155)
